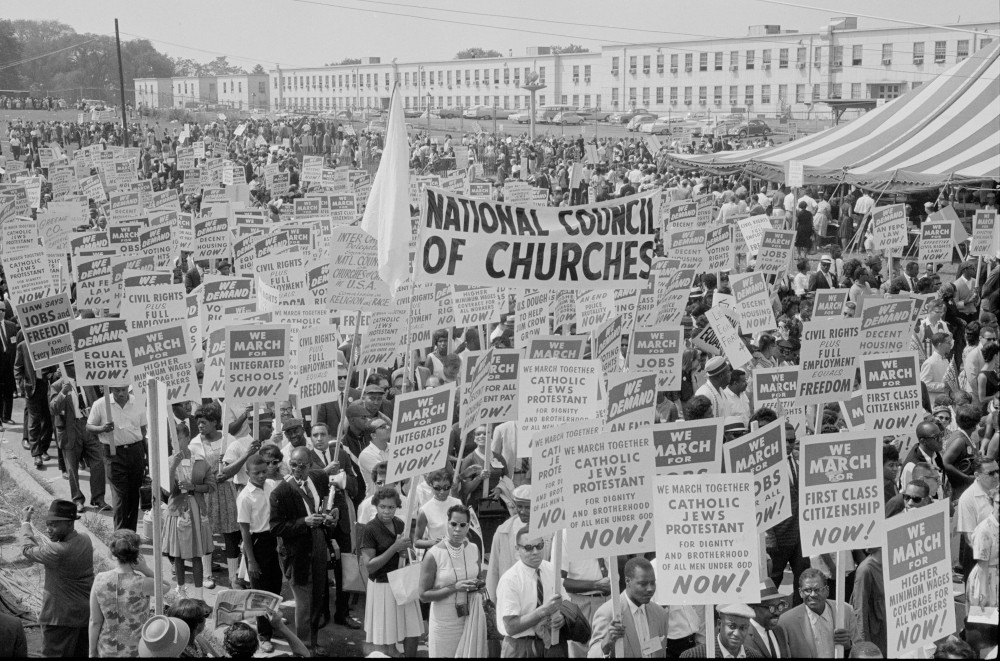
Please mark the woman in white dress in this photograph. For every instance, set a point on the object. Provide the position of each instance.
(449, 577)
(432, 517)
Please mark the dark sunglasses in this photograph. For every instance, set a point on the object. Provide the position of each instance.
(456, 524)
(444, 488)
(274, 462)
(907, 498)
(530, 548)
(778, 608)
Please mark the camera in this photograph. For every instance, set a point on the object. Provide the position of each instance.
(462, 609)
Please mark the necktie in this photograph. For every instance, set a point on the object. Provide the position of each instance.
(770, 644)
(793, 466)
(539, 592)
(310, 505)
(641, 625)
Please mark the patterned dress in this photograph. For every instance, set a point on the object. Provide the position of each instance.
(187, 531)
(125, 608)
(220, 504)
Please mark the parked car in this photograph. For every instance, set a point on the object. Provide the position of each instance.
(671, 125)
(639, 120)
(478, 112)
(752, 127)
(522, 117)
(625, 116)
(410, 113)
(445, 113)
(570, 118)
(501, 113)
(593, 114)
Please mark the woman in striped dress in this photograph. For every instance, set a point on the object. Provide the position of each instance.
(211, 444)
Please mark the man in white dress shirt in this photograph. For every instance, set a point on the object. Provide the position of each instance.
(527, 606)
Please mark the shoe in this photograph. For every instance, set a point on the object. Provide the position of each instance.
(104, 507)
(81, 508)
(348, 622)
(266, 646)
(65, 475)
(39, 464)
(46, 457)
(209, 583)
(25, 444)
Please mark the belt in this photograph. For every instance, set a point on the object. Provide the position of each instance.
(379, 579)
(121, 445)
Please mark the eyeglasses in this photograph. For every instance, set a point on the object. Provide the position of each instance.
(442, 488)
(285, 408)
(993, 473)
(778, 608)
(531, 548)
(274, 462)
(380, 483)
(295, 464)
(989, 339)
(818, 590)
(908, 498)
(456, 524)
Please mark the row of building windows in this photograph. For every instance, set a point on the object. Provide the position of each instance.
(516, 102)
(751, 61)
(751, 96)
(441, 77)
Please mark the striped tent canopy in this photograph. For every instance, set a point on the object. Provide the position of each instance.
(946, 130)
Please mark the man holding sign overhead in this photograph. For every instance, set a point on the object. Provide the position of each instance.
(642, 624)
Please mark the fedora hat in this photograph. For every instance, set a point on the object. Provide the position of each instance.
(62, 510)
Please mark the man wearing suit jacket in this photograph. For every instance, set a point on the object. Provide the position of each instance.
(764, 638)
(823, 278)
(69, 419)
(344, 482)
(297, 520)
(810, 627)
(642, 623)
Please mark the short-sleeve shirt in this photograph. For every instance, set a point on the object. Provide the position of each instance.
(129, 421)
(253, 506)
(377, 536)
(517, 593)
(234, 452)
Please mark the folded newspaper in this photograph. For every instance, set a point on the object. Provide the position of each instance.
(241, 605)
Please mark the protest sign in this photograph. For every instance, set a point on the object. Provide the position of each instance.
(552, 392)
(421, 430)
(93, 282)
(354, 279)
(608, 493)
(499, 400)
(626, 306)
(475, 306)
(216, 292)
(160, 244)
(689, 246)
(444, 306)
(917, 575)
(211, 238)
(775, 388)
(28, 275)
(795, 174)
(729, 339)
(531, 315)
(827, 360)
(286, 273)
(762, 454)
(606, 345)
(58, 221)
(985, 239)
(381, 346)
(892, 397)
(885, 325)
(706, 539)
(752, 229)
(548, 507)
(631, 401)
(719, 248)
(99, 352)
(853, 411)
(840, 492)
(691, 447)
(753, 302)
(563, 310)
(775, 251)
(256, 363)
(317, 365)
(658, 350)
(889, 228)
(45, 323)
(162, 353)
(213, 383)
(936, 241)
(152, 299)
(671, 289)
(829, 302)
(682, 215)
(481, 242)
(594, 308)
(565, 347)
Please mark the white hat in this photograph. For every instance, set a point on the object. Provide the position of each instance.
(163, 637)
(715, 365)
(523, 492)
(739, 610)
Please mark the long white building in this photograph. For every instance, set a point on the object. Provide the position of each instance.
(769, 71)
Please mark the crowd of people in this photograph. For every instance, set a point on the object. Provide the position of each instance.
(296, 502)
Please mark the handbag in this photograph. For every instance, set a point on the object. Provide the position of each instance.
(490, 612)
(405, 582)
(350, 564)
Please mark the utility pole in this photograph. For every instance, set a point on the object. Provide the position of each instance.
(121, 84)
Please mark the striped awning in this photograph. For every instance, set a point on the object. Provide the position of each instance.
(945, 130)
